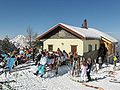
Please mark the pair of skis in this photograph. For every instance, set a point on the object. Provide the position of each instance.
(87, 85)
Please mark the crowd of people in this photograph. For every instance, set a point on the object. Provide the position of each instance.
(46, 61)
(56, 59)
(52, 60)
(8, 60)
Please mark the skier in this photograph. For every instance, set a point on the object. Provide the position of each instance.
(39, 55)
(100, 62)
(75, 58)
(60, 55)
(41, 67)
(49, 60)
(84, 68)
(10, 63)
(71, 58)
(115, 59)
(89, 68)
(102, 52)
(73, 67)
(65, 56)
(57, 64)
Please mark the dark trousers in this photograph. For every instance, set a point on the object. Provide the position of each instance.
(33, 57)
(88, 76)
(100, 65)
(114, 63)
(36, 62)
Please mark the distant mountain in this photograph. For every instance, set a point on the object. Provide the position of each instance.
(20, 41)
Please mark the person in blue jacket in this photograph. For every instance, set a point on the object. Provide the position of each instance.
(7, 59)
(10, 63)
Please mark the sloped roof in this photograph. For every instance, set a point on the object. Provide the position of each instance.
(91, 32)
(86, 33)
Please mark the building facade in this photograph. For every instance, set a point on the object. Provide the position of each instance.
(76, 39)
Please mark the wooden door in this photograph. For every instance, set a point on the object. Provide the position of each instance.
(73, 48)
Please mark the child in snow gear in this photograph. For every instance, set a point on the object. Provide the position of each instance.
(84, 68)
(115, 59)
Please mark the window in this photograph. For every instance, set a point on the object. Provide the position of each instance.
(89, 48)
(50, 47)
(95, 46)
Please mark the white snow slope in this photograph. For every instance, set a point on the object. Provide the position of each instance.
(26, 80)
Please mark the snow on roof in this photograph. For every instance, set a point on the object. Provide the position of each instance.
(104, 35)
(90, 33)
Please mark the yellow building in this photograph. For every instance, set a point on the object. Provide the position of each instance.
(76, 39)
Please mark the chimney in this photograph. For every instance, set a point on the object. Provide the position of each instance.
(84, 25)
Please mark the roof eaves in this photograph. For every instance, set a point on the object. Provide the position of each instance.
(41, 36)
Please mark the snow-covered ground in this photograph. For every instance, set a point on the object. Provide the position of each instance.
(26, 80)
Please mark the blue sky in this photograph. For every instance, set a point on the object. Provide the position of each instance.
(17, 15)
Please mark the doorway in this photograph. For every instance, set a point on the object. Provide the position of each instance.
(73, 48)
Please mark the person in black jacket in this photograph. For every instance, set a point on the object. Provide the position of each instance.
(89, 68)
(38, 58)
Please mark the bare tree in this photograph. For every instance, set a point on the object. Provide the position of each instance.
(35, 36)
(30, 35)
